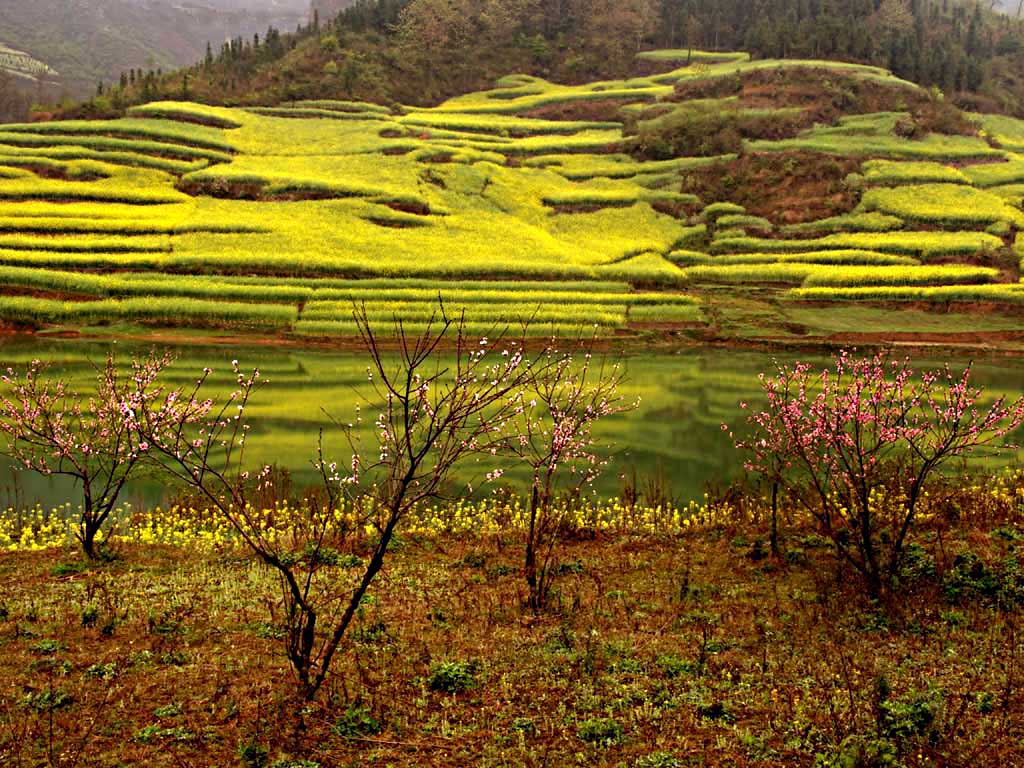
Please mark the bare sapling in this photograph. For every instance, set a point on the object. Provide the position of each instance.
(439, 397)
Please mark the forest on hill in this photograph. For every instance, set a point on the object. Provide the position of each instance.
(422, 51)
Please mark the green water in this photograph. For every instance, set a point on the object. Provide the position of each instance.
(676, 432)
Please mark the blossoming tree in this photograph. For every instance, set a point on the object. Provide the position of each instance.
(87, 436)
(858, 441)
(552, 434)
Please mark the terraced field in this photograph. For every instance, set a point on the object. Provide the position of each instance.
(529, 202)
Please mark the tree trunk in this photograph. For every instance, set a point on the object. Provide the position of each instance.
(773, 536)
(89, 528)
(89, 542)
(530, 560)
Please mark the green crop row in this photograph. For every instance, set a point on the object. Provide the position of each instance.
(949, 205)
(60, 191)
(216, 117)
(465, 289)
(157, 130)
(113, 259)
(87, 244)
(125, 285)
(997, 174)
(924, 275)
(625, 197)
(922, 172)
(314, 113)
(822, 275)
(348, 329)
(666, 313)
(55, 225)
(689, 55)
(837, 257)
(848, 222)
(909, 243)
(612, 315)
(872, 135)
(768, 273)
(102, 143)
(168, 311)
(28, 156)
(745, 222)
(339, 296)
(1001, 293)
(341, 106)
(502, 125)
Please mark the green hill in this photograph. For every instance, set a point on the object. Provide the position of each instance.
(274, 220)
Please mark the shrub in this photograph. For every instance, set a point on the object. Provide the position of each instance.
(697, 130)
(602, 732)
(453, 676)
(356, 721)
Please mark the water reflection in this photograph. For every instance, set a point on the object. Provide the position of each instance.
(676, 432)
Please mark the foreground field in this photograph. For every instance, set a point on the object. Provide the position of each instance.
(664, 649)
(531, 202)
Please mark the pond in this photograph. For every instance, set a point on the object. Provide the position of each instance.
(675, 433)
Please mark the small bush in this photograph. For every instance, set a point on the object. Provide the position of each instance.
(602, 732)
(253, 755)
(658, 760)
(355, 722)
(860, 752)
(693, 131)
(453, 676)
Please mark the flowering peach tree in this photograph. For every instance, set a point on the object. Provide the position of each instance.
(89, 437)
(860, 439)
(552, 434)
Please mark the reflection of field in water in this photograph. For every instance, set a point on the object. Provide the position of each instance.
(676, 432)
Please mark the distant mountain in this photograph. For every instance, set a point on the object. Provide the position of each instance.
(85, 41)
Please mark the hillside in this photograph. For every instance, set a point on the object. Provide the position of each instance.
(833, 196)
(425, 51)
(102, 38)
